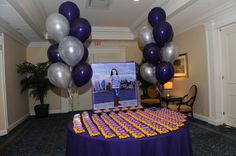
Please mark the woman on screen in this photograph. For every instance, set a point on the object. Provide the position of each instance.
(115, 84)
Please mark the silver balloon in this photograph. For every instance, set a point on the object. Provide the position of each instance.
(71, 50)
(169, 52)
(147, 72)
(59, 75)
(145, 36)
(57, 26)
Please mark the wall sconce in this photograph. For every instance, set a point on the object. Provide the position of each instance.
(168, 86)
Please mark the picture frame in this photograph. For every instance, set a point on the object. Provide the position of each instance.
(181, 66)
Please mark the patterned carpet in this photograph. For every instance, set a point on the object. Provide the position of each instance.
(47, 137)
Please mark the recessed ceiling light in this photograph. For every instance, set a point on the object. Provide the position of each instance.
(136, 0)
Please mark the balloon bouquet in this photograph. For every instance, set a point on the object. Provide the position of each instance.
(158, 50)
(70, 53)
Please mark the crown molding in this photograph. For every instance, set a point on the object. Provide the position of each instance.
(142, 20)
(6, 28)
(221, 12)
(112, 33)
(44, 44)
(34, 12)
(171, 8)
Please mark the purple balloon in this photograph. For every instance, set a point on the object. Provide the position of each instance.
(164, 72)
(81, 29)
(152, 53)
(53, 54)
(85, 56)
(70, 10)
(163, 33)
(156, 15)
(81, 74)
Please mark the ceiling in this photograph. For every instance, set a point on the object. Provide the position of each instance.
(121, 20)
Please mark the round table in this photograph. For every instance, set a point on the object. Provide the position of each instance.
(175, 143)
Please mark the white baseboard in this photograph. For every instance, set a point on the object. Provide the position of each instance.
(209, 120)
(201, 117)
(216, 122)
(50, 112)
(19, 121)
(3, 132)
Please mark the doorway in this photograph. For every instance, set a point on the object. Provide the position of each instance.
(228, 38)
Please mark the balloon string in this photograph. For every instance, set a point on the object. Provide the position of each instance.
(70, 99)
(159, 89)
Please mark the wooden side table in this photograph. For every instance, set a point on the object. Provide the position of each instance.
(171, 99)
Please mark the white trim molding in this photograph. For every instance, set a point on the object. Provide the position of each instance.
(3, 132)
(112, 33)
(201, 117)
(208, 120)
(9, 30)
(56, 111)
(171, 8)
(39, 44)
(38, 12)
(18, 122)
(214, 57)
(211, 14)
(3, 84)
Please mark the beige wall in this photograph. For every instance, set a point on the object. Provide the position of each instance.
(17, 103)
(35, 54)
(134, 54)
(193, 43)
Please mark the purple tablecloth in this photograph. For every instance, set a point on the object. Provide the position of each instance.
(176, 143)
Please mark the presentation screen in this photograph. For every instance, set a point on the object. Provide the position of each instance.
(114, 85)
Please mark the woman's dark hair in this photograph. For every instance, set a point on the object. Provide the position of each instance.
(115, 70)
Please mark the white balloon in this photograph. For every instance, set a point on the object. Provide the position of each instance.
(169, 52)
(146, 36)
(71, 50)
(147, 72)
(59, 75)
(57, 26)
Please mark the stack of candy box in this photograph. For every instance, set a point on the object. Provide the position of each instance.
(136, 133)
(137, 124)
(166, 116)
(104, 129)
(90, 126)
(77, 125)
(120, 132)
(116, 109)
(161, 122)
(160, 129)
(173, 114)
(98, 111)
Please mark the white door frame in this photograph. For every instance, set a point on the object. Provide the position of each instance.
(3, 84)
(228, 117)
(65, 106)
(214, 62)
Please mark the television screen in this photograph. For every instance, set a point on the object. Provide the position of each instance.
(114, 85)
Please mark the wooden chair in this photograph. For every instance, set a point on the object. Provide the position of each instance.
(152, 98)
(186, 105)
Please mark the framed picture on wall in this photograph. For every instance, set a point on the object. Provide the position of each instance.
(181, 66)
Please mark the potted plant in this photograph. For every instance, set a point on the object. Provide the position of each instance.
(37, 83)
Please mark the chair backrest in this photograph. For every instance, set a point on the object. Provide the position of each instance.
(191, 96)
(152, 92)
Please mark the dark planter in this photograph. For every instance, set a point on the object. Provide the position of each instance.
(41, 110)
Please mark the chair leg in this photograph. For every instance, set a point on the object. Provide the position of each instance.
(192, 115)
